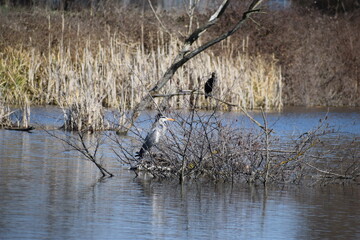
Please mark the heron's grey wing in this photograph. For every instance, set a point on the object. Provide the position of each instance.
(148, 143)
(150, 140)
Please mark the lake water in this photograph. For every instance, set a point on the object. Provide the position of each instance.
(46, 193)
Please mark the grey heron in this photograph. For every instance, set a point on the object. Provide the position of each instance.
(153, 137)
(209, 85)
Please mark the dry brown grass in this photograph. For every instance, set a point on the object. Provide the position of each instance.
(317, 52)
(120, 75)
(123, 73)
(5, 113)
(17, 75)
(84, 75)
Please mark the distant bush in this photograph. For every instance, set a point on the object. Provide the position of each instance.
(330, 6)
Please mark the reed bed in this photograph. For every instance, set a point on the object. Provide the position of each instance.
(19, 77)
(84, 78)
(121, 74)
(17, 85)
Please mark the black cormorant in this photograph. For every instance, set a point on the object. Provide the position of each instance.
(209, 85)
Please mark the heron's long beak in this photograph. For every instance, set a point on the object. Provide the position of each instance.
(170, 119)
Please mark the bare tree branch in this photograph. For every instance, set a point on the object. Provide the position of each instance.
(189, 92)
(80, 146)
(328, 172)
(186, 54)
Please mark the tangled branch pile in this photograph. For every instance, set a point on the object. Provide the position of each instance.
(205, 146)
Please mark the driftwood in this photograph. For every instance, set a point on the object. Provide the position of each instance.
(186, 54)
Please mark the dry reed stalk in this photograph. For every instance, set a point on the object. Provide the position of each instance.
(125, 72)
(81, 92)
(18, 73)
(116, 74)
(248, 82)
(25, 118)
(5, 113)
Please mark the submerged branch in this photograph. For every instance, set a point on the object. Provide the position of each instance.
(79, 145)
(328, 172)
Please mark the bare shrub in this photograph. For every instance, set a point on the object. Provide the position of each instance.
(88, 145)
(199, 146)
(319, 155)
(205, 145)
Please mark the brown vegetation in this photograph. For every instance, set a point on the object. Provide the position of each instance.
(5, 113)
(317, 53)
(332, 7)
(87, 61)
(82, 70)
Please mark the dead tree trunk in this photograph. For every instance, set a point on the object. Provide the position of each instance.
(186, 54)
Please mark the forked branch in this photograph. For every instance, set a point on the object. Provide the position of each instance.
(186, 54)
(78, 143)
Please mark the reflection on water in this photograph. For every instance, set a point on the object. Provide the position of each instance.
(48, 194)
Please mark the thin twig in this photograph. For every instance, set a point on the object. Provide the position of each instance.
(189, 92)
(158, 18)
(328, 172)
(268, 160)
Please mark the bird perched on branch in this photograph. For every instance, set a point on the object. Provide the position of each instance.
(157, 131)
(209, 85)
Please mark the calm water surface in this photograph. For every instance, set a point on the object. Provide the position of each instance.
(46, 193)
